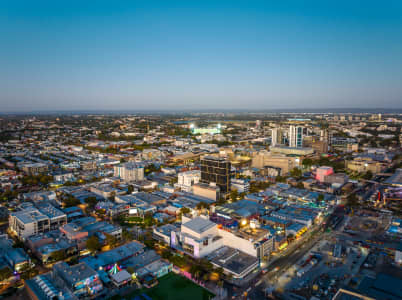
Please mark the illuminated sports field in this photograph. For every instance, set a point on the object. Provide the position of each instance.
(174, 287)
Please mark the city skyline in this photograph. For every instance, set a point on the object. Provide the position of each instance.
(168, 56)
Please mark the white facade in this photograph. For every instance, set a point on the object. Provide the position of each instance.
(274, 136)
(295, 136)
(185, 180)
(199, 237)
(240, 185)
(129, 171)
(32, 221)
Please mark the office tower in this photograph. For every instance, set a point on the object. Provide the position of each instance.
(324, 135)
(274, 136)
(216, 170)
(296, 136)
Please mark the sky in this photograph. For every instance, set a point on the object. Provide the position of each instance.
(199, 55)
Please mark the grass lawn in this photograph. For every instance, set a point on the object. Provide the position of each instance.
(174, 287)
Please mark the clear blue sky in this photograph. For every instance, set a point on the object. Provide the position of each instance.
(72, 55)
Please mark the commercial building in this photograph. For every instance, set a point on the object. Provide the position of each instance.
(164, 233)
(297, 151)
(65, 282)
(216, 170)
(210, 191)
(322, 172)
(234, 262)
(362, 165)
(283, 162)
(305, 216)
(257, 242)
(320, 147)
(295, 136)
(81, 279)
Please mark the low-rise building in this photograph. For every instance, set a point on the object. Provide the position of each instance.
(32, 220)
(234, 262)
(198, 237)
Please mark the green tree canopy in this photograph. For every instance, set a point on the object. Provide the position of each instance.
(93, 244)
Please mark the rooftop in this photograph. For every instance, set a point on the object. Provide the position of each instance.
(199, 225)
(233, 260)
(74, 274)
(29, 215)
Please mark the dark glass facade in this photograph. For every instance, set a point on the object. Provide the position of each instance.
(216, 170)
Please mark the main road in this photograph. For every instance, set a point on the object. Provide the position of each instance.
(279, 265)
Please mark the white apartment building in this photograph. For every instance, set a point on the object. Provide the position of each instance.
(185, 180)
(242, 186)
(197, 237)
(129, 171)
(31, 220)
(200, 237)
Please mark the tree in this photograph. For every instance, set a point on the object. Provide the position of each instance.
(91, 201)
(195, 270)
(93, 244)
(27, 272)
(5, 273)
(149, 220)
(111, 240)
(151, 168)
(57, 255)
(307, 162)
(256, 186)
(220, 271)
(130, 189)
(184, 210)
(202, 205)
(320, 198)
(280, 178)
(368, 175)
(166, 254)
(112, 195)
(290, 237)
(71, 201)
(233, 195)
(127, 235)
(352, 201)
(295, 172)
